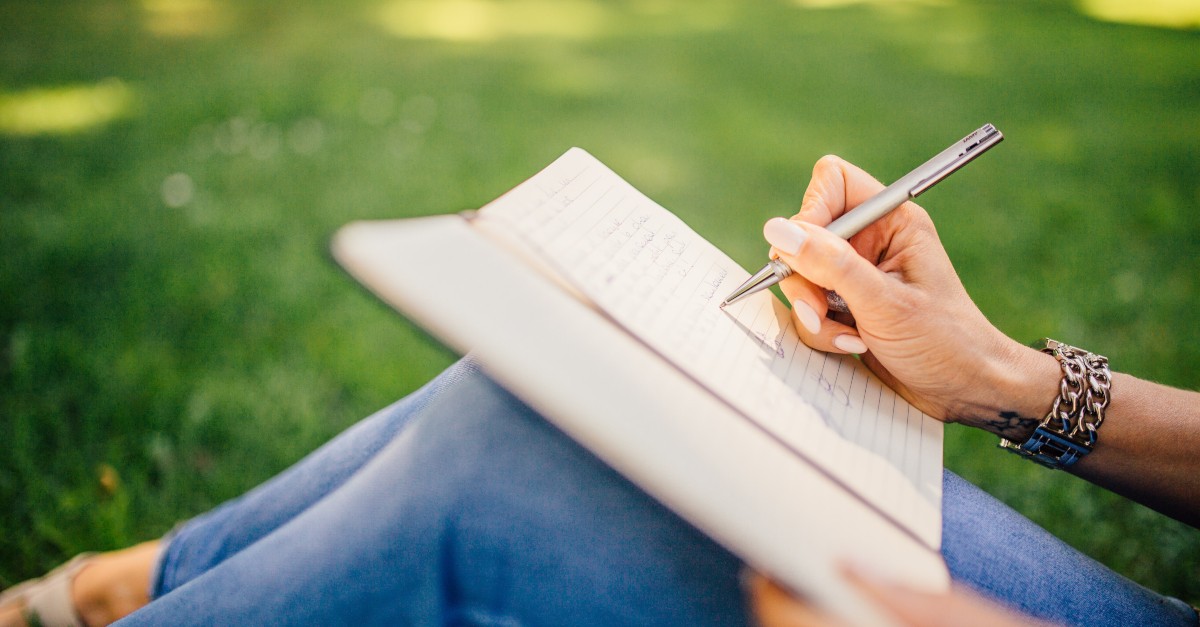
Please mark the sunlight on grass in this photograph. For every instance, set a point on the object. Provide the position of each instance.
(829, 4)
(481, 21)
(488, 20)
(185, 18)
(64, 110)
(1168, 13)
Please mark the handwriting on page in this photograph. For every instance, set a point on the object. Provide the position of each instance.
(653, 275)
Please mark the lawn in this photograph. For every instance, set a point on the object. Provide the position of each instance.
(172, 330)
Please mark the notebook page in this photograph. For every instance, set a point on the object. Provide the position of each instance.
(651, 274)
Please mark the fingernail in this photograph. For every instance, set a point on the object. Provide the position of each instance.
(850, 344)
(784, 235)
(807, 316)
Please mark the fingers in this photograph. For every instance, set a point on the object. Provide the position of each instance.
(836, 186)
(774, 607)
(959, 606)
(822, 260)
(810, 308)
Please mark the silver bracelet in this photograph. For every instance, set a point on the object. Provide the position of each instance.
(1071, 428)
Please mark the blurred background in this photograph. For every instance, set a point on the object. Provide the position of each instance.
(172, 330)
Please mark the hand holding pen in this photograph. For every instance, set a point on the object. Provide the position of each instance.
(912, 266)
(888, 199)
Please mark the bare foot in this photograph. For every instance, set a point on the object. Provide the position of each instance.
(11, 617)
(114, 584)
(108, 587)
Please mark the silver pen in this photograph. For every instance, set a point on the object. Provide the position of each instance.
(905, 188)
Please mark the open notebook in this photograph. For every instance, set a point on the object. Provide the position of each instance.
(599, 308)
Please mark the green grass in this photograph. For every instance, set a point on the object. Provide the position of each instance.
(157, 359)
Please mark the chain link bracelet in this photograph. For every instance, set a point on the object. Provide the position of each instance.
(1071, 428)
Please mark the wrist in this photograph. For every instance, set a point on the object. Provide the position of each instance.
(1017, 386)
(1070, 429)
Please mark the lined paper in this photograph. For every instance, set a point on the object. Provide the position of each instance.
(651, 274)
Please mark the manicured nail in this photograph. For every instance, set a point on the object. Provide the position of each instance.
(807, 316)
(784, 235)
(850, 344)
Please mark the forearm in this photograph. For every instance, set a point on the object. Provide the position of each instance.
(1148, 448)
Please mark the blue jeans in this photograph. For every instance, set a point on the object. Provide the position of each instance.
(460, 505)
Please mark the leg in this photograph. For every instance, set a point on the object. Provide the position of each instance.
(88, 590)
(482, 511)
(114, 584)
(207, 540)
(1002, 554)
(479, 512)
(110, 585)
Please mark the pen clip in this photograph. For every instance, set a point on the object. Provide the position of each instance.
(958, 155)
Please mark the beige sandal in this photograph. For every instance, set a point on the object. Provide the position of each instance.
(47, 599)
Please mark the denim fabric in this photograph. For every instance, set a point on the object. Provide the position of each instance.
(460, 505)
(1000, 553)
(205, 541)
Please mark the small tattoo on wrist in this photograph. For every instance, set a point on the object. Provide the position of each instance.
(1011, 425)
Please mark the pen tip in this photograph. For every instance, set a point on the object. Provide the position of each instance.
(722, 305)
